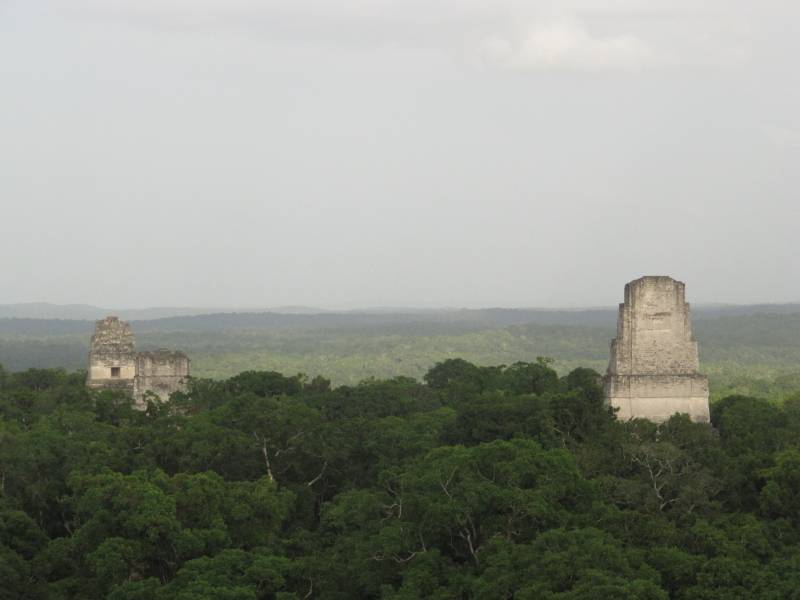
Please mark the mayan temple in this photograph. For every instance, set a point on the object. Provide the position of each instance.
(114, 364)
(653, 371)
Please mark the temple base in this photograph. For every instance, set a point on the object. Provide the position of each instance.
(658, 397)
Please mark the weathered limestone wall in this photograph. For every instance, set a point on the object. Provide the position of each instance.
(162, 372)
(653, 371)
(112, 356)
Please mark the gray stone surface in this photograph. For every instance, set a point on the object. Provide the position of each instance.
(112, 356)
(115, 364)
(653, 371)
(161, 372)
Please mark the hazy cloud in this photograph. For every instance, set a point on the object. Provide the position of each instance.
(566, 44)
(273, 152)
(509, 34)
(783, 136)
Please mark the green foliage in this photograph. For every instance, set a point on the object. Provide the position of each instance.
(481, 483)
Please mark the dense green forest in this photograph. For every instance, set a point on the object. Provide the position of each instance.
(478, 482)
(742, 349)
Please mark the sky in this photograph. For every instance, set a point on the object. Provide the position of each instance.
(426, 153)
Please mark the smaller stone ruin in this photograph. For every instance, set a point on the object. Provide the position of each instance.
(653, 372)
(114, 364)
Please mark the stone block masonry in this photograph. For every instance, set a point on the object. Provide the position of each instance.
(653, 370)
(115, 364)
(112, 357)
(161, 372)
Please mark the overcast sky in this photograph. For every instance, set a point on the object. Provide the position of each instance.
(359, 153)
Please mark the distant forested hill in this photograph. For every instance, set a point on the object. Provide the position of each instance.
(16, 321)
(738, 345)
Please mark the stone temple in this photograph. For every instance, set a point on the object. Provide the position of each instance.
(653, 371)
(115, 364)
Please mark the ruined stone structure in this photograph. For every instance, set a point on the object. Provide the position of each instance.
(161, 372)
(115, 364)
(112, 357)
(653, 371)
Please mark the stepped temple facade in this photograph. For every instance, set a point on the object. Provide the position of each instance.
(654, 368)
(115, 364)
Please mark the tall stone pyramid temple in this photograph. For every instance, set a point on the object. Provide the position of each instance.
(653, 371)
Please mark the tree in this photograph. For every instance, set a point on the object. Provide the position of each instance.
(265, 383)
(125, 524)
(530, 378)
(780, 497)
(455, 373)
